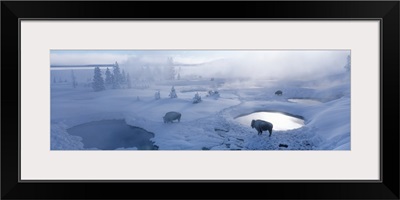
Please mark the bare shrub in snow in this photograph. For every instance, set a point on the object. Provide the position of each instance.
(213, 93)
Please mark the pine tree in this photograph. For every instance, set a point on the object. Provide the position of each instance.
(170, 73)
(117, 76)
(115, 84)
(128, 80)
(98, 82)
(173, 94)
(108, 77)
(170, 70)
(74, 82)
(123, 77)
(179, 76)
(157, 95)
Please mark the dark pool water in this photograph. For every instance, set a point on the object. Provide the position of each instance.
(113, 134)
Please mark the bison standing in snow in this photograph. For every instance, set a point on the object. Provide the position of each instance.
(171, 116)
(279, 93)
(261, 126)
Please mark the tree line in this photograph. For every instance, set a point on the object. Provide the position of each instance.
(115, 79)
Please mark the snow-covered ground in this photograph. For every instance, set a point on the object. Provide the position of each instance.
(211, 124)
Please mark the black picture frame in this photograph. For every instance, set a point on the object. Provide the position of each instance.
(386, 11)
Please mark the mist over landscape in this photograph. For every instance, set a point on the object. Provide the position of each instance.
(200, 99)
(225, 64)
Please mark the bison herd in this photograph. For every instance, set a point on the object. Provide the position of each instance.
(259, 125)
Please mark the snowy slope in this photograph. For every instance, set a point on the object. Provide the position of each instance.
(211, 123)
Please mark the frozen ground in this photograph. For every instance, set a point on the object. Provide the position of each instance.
(211, 124)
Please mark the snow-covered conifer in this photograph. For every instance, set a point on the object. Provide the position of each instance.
(173, 94)
(123, 77)
(128, 80)
(197, 98)
(115, 84)
(98, 82)
(157, 95)
(170, 70)
(117, 76)
(108, 77)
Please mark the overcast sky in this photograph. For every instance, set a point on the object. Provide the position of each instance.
(253, 63)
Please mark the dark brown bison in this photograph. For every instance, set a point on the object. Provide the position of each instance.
(279, 93)
(171, 116)
(261, 126)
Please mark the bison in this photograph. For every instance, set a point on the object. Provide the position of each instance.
(171, 116)
(279, 93)
(261, 126)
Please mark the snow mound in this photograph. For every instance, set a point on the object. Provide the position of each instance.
(61, 140)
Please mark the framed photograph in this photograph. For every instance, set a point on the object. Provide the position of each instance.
(299, 96)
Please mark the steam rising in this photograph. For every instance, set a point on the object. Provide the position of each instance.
(250, 64)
